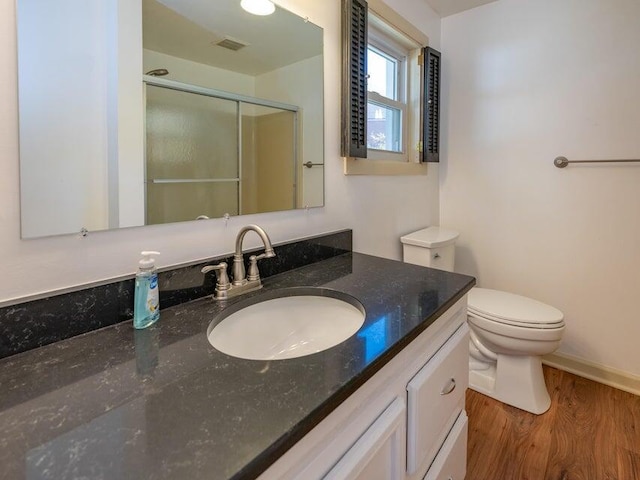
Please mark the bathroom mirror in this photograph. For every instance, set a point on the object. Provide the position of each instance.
(139, 112)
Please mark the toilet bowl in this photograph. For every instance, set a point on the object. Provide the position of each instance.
(509, 333)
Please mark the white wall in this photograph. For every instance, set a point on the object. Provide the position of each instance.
(60, 102)
(80, 86)
(527, 81)
(378, 209)
(194, 73)
(128, 153)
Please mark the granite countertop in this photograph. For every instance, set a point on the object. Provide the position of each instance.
(163, 403)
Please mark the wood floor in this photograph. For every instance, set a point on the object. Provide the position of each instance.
(591, 432)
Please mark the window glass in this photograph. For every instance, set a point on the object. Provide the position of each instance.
(386, 97)
(384, 127)
(383, 73)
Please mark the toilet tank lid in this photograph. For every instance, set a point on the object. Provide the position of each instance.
(430, 237)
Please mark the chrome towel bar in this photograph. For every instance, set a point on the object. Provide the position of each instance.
(562, 162)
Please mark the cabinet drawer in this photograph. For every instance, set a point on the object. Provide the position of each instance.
(451, 461)
(378, 452)
(435, 398)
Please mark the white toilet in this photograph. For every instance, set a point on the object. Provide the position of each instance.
(508, 333)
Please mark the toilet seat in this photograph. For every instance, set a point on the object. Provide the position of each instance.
(517, 324)
(517, 331)
(514, 310)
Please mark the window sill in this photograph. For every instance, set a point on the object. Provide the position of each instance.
(365, 166)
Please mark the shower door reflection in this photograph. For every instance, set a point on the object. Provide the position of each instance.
(208, 156)
(191, 156)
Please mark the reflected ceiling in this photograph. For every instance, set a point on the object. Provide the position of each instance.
(444, 8)
(190, 29)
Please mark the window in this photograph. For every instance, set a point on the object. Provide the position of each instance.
(386, 94)
(383, 91)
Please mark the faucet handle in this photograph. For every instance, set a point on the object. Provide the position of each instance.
(252, 273)
(222, 283)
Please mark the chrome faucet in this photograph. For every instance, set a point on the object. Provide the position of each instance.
(238, 262)
(242, 282)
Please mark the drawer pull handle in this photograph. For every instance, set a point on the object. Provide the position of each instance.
(449, 388)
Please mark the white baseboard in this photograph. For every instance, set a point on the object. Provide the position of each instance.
(593, 371)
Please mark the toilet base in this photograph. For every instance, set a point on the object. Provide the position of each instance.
(515, 380)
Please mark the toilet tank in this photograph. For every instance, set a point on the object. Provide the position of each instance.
(430, 247)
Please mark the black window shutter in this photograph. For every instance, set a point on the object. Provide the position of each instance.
(354, 78)
(431, 106)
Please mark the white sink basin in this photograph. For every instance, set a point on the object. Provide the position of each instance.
(298, 322)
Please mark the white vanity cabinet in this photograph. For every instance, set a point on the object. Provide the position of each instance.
(376, 454)
(407, 422)
(451, 461)
(435, 396)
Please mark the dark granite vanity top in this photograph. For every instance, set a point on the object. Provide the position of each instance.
(163, 403)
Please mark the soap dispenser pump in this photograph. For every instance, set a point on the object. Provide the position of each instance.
(146, 307)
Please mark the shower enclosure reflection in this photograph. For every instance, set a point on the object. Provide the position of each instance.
(223, 155)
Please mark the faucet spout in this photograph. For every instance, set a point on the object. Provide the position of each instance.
(239, 277)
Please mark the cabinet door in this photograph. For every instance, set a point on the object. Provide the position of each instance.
(435, 399)
(451, 461)
(378, 453)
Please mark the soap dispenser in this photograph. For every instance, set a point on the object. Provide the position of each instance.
(146, 307)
